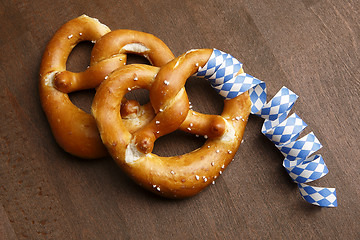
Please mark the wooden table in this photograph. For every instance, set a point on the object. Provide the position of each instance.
(312, 47)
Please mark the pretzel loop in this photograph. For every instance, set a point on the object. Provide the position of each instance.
(114, 46)
(74, 130)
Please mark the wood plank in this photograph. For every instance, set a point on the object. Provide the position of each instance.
(6, 231)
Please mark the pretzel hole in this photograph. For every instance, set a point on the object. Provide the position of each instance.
(83, 99)
(140, 95)
(133, 58)
(78, 61)
(177, 143)
(203, 97)
(79, 58)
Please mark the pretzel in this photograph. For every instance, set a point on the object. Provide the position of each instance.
(178, 176)
(75, 130)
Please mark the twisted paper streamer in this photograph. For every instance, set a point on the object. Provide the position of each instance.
(221, 70)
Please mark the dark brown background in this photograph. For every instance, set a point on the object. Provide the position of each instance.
(310, 46)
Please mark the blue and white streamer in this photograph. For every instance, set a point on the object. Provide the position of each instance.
(221, 71)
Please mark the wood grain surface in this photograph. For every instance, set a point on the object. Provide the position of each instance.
(310, 46)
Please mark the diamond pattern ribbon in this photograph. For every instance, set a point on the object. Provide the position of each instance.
(221, 71)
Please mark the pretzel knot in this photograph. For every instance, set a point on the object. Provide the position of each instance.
(176, 176)
(74, 130)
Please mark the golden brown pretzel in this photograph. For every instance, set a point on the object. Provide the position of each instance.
(178, 176)
(74, 130)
